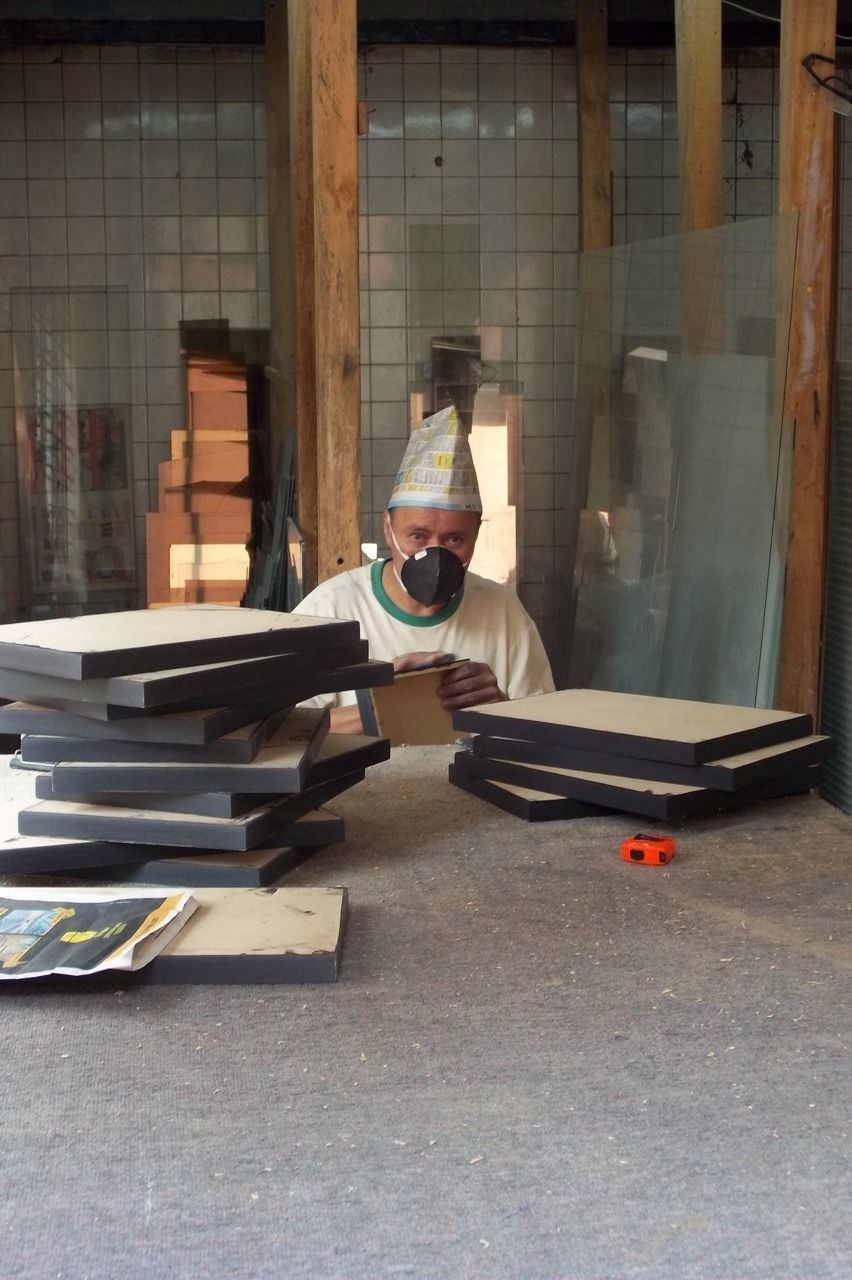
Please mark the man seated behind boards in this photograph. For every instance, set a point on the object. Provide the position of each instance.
(422, 603)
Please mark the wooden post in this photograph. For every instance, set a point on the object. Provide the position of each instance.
(302, 178)
(323, 40)
(593, 125)
(698, 34)
(282, 391)
(807, 183)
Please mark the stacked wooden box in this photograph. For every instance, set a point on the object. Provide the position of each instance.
(167, 745)
(196, 541)
(580, 752)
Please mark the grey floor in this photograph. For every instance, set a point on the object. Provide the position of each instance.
(539, 1062)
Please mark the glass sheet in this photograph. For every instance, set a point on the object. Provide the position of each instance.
(74, 449)
(679, 515)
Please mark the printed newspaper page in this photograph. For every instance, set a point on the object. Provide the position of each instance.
(78, 932)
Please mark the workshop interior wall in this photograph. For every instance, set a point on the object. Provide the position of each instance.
(139, 173)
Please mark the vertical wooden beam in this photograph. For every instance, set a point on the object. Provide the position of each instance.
(807, 183)
(282, 391)
(593, 125)
(299, 14)
(325, 174)
(698, 35)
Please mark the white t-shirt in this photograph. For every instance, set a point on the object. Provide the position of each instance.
(484, 622)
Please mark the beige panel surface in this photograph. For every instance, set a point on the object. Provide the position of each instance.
(236, 922)
(672, 719)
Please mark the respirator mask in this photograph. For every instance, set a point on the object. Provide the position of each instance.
(432, 575)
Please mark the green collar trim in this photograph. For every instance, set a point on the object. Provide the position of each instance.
(411, 619)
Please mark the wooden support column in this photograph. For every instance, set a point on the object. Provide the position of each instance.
(302, 177)
(698, 38)
(282, 328)
(698, 32)
(807, 183)
(593, 125)
(323, 42)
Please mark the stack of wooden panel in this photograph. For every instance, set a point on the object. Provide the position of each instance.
(196, 541)
(580, 752)
(167, 745)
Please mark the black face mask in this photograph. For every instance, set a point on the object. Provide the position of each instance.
(432, 576)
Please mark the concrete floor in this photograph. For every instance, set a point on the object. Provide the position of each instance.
(539, 1061)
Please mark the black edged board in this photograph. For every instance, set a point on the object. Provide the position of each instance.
(668, 801)
(524, 802)
(281, 766)
(284, 676)
(342, 751)
(333, 680)
(262, 935)
(15, 762)
(240, 746)
(262, 826)
(210, 804)
(251, 870)
(632, 724)
(38, 855)
(97, 646)
(731, 774)
(190, 728)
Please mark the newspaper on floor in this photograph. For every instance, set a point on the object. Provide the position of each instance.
(78, 932)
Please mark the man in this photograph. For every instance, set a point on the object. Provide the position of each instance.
(422, 604)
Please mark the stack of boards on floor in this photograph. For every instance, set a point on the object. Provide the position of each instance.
(584, 752)
(167, 748)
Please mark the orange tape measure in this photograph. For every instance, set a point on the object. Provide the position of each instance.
(653, 851)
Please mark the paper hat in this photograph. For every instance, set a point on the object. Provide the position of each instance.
(437, 467)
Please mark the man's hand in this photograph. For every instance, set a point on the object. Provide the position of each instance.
(468, 685)
(423, 658)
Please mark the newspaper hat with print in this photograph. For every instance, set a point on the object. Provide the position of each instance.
(437, 468)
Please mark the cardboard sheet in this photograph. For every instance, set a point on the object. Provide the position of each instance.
(408, 712)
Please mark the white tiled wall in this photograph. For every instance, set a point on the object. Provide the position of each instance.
(144, 168)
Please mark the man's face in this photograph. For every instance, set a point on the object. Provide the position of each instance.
(419, 527)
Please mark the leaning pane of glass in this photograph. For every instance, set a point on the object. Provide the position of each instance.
(675, 507)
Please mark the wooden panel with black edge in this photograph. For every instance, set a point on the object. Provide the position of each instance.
(285, 676)
(729, 774)
(671, 729)
(524, 802)
(251, 870)
(239, 746)
(37, 855)
(282, 766)
(266, 825)
(100, 645)
(193, 727)
(667, 801)
(262, 935)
